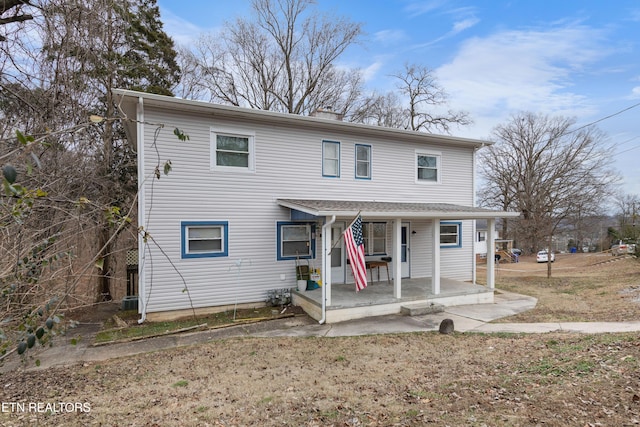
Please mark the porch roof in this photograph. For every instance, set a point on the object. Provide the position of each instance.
(382, 209)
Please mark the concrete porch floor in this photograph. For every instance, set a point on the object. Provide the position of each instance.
(377, 298)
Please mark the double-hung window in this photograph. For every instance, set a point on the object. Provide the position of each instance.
(363, 161)
(232, 150)
(428, 167)
(331, 159)
(202, 239)
(375, 238)
(296, 240)
(450, 234)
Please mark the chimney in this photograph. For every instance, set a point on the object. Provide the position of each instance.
(327, 113)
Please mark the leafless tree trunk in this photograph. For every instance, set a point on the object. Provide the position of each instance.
(282, 59)
(76, 171)
(426, 98)
(420, 104)
(628, 213)
(546, 170)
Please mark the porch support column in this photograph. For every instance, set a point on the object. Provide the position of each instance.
(397, 258)
(326, 259)
(491, 253)
(435, 268)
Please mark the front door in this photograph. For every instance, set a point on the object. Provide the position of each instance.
(405, 252)
(337, 253)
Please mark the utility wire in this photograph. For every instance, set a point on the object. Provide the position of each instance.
(606, 118)
(617, 145)
(626, 151)
(603, 118)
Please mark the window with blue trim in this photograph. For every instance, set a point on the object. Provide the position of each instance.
(363, 161)
(331, 159)
(204, 239)
(450, 234)
(296, 240)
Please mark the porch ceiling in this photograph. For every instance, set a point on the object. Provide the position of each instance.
(380, 209)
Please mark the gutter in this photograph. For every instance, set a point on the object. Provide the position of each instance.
(326, 245)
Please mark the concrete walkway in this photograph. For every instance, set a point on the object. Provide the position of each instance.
(467, 318)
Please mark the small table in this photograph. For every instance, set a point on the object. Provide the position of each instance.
(377, 264)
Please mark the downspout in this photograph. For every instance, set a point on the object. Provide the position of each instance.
(326, 251)
(474, 262)
(141, 211)
(474, 231)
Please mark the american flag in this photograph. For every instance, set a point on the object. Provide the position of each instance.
(355, 250)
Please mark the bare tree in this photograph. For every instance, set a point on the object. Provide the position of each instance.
(14, 11)
(425, 100)
(282, 59)
(628, 213)
(546, 170)
(379, 110)
(71, 180)
(420, 104)
(192, 84)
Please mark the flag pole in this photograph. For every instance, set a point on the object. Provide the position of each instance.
(342, 235)
(355, 219)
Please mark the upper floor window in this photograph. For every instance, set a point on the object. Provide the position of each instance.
(330, 158)
(363, 161)
(427, 167)
(450, 234)
(232, 150)
(202, 239)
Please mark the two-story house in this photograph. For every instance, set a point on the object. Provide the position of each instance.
(251, 194)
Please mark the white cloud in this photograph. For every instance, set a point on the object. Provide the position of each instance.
(417, 8)
(463, 18)
(389, 37)
(371, 71)
(635, 92)
(464, 24)
(182, 32)
(532, 70)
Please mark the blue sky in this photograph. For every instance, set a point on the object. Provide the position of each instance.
(575, 58)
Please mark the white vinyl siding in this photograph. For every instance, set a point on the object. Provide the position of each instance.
(454, 264)
(287, 163)
(331, 159)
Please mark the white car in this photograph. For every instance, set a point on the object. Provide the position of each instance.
(543, 257)
(621, 248)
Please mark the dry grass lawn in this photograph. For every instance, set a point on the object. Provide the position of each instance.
(556, 379)
(582, 288)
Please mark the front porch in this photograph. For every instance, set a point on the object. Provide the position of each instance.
(377, 299)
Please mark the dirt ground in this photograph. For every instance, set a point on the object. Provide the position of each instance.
(556, 379)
